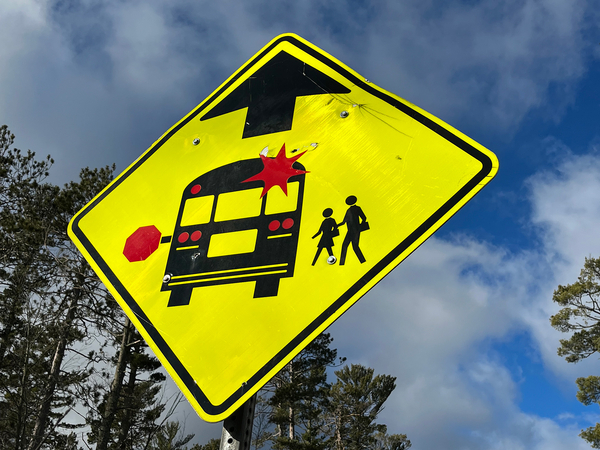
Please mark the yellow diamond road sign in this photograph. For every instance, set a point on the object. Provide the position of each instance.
(265, 213)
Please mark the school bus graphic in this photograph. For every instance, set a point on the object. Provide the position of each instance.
(227, 233)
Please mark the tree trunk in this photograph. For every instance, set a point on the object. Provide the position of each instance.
(19, 297)
(292, 430)
(129, 392)
(6, 332)
(291, 433)
(22, 406)
(279, 432)
(338, 433)
(59, 354)
(112, 401)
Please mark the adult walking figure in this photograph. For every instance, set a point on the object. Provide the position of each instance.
(355, 221)
(329, 229)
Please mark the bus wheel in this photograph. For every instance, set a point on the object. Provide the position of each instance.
(266, 287)
(180, 295)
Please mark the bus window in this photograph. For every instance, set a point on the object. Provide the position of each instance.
(236, 242)
(238, 205)
(197, 210)
(277, 202)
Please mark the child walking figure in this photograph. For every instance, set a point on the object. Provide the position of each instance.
(329, 230)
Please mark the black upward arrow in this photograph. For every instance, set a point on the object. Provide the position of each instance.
(270, 94)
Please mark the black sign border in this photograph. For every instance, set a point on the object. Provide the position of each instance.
(186, 378)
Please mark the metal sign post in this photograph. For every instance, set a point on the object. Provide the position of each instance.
(237, 428)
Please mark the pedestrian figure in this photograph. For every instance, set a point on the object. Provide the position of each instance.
(329, 230)
(355, 221)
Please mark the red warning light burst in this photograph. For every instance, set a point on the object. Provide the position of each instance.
(277, 171)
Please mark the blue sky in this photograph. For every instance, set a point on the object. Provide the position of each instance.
(463, 323)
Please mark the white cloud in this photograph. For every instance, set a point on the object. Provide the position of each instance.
(496, 58)
(566, 207)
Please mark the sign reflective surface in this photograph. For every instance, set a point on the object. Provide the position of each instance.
(265, 213)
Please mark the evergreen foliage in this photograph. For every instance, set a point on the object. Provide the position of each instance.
(580, 315)
(300, 410)
(357, 398)
(392, 442)
(299, 394)
(58, 324)
(134, 421)
(170, 437)
(213, 444)
(27, 306)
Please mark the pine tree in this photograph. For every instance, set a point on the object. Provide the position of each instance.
(78, 299)
(297, 395)
(26, 215)
(51, 304)
(301, 410)
(386, 441)
(356, 399)
(213, 444)
(580, 315)
(170, 437)
(131, 411)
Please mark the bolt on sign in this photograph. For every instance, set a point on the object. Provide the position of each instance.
(266, 212)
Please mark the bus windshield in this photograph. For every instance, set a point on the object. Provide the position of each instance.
(238, 205)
